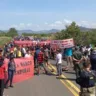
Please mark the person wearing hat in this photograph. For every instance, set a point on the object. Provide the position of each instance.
(2, 75)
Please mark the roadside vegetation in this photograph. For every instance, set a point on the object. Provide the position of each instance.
(71, 31)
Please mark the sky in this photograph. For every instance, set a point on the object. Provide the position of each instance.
(46, 14)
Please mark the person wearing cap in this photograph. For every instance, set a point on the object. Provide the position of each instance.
(93, 60)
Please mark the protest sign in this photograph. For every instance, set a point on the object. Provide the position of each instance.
(24, 69)
(67, 43)
(24, 43)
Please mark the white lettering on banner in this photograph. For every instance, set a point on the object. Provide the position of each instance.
(67, 43)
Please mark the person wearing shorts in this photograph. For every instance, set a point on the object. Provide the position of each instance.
(40, 62)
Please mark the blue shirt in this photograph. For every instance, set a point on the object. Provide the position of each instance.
(68, 52)
(37, 52)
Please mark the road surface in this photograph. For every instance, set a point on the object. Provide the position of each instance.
(46, 85)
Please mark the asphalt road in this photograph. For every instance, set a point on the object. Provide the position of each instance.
(45, 85)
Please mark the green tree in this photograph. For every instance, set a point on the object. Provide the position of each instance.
(12, 32)
(73, 31)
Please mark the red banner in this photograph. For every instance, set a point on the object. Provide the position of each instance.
(67, 43)
(24, 69)
(24, 43)
(30, 43)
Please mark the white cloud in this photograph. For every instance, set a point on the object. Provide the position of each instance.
(58, 22)
(87, 24)
(14, 26)
(22, 24)
(67, 21)
(29, 24)
(54, 25)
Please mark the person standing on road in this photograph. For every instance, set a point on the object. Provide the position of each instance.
(68, 54)
(77, 61)
(46, 56)
(93, 60)
(40, 61)
(87, 81)
(11, 71)
(59, 63)
(36, 55)
(2, 75)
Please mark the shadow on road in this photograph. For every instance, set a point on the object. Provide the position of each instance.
(70, 72)
(72, 79)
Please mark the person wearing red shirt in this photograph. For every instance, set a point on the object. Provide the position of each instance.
(2, 75)
(40, 60)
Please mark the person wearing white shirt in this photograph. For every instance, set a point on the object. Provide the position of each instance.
(28, 54)
(59, 63)
(23, 50)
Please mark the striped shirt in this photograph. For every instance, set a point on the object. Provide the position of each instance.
(40, 57)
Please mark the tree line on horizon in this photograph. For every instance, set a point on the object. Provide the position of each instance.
(71, 31)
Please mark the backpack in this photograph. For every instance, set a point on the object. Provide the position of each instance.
(86, 79)
(79, 80)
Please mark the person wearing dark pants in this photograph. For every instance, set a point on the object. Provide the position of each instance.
(40, 61)
(1, 87)
(2, 76)
(77, 61)
(11, 71)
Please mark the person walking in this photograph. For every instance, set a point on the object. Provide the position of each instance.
(2, 75)
(40, 61)
(59, 63)
(11, 71)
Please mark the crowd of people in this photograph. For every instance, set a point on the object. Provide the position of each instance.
(81, 58)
